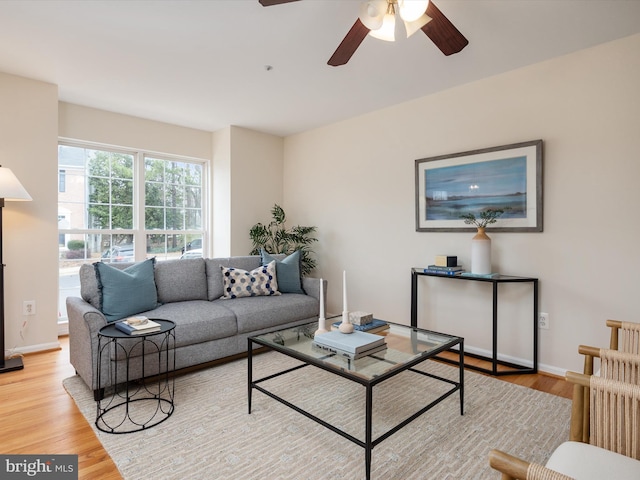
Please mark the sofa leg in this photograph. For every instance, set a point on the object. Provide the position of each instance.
(98, 394)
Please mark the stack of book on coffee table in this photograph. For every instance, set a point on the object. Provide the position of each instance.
(350, 345)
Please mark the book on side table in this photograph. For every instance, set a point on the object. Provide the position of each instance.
(349, 355)
(138, 325)
(355, 342)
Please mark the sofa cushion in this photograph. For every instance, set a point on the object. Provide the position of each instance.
(287, 271)
(259, 282)
(588, 462)
(181, 280)
(215, 286)
(126, 292)
(258, 313)
(197, 321)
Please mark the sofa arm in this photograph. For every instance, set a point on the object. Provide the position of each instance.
(84, 323)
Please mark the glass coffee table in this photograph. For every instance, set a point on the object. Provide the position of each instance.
(407, 347)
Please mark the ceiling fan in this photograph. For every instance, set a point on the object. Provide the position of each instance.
(377, 18)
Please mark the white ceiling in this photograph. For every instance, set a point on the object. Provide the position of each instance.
(201, 63)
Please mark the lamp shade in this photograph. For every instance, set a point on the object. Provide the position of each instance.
(10, 187)
(388, 29)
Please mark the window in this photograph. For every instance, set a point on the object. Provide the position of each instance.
(124, 206)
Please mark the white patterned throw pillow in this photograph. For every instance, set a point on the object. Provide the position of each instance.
(258, 282)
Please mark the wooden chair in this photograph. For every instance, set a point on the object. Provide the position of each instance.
(608, 447)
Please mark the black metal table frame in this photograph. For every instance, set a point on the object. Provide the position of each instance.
(369, 443)
(164, 379)
(514, 368)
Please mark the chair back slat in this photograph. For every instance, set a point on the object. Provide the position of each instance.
(615, 416)
(630, 337)
(620, 366)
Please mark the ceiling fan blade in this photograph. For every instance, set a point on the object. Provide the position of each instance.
(349, 44)
(442, 32)
(269, 3)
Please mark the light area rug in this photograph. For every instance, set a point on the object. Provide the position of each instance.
(211, 436)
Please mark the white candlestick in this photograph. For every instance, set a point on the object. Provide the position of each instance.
(344, 291)
(345, 325)
(321, 298)
(322, 327)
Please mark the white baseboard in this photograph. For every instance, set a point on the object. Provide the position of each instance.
(63, 328)
(42, 347)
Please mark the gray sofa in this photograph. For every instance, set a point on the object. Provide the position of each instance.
(207, 326)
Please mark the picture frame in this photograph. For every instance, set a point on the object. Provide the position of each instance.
(507, 177)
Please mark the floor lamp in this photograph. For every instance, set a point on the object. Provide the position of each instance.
(10, 189)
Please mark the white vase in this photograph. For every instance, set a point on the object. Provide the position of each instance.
(481, 253)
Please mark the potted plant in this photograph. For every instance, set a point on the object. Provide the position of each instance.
(481, 243)
(276, 238)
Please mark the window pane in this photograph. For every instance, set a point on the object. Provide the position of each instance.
(154, 170)
(174, 196)
(98, 164)
(154, 194)
(122, 192)
(174, 219)
(121, 217)
(193, 197)
(98, 190)
(154, 218)
(193, 220)
(121, 166)
(99, 216)
(193, 174)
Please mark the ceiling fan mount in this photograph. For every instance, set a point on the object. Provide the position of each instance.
(377, 18)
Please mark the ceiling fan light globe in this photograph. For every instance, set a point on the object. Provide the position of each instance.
(411, 10)
(387, 31)
(372, 13)
(413, 27)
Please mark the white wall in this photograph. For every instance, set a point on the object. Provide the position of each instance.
(109, 128)
(256, 183)
(247, 182)
(354, 180)
(28, 146)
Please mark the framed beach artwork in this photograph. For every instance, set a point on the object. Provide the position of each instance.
(507, 177)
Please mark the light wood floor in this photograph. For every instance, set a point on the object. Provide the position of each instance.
(39, 417)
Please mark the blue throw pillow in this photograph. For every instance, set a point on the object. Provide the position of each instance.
(287, 271)
(126, 292)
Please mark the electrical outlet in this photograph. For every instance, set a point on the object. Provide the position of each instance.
(29, 307)
(543, 321)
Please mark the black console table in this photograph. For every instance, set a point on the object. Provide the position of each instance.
(510, 368)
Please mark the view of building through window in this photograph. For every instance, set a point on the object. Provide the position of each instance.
(118, 206)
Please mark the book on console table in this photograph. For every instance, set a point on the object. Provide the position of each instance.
(446, 273)
(137, 326)
(355, 342)
(374, 326)
(349, 355)
(457, 268)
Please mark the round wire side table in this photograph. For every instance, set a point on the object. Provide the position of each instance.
(139, 390)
